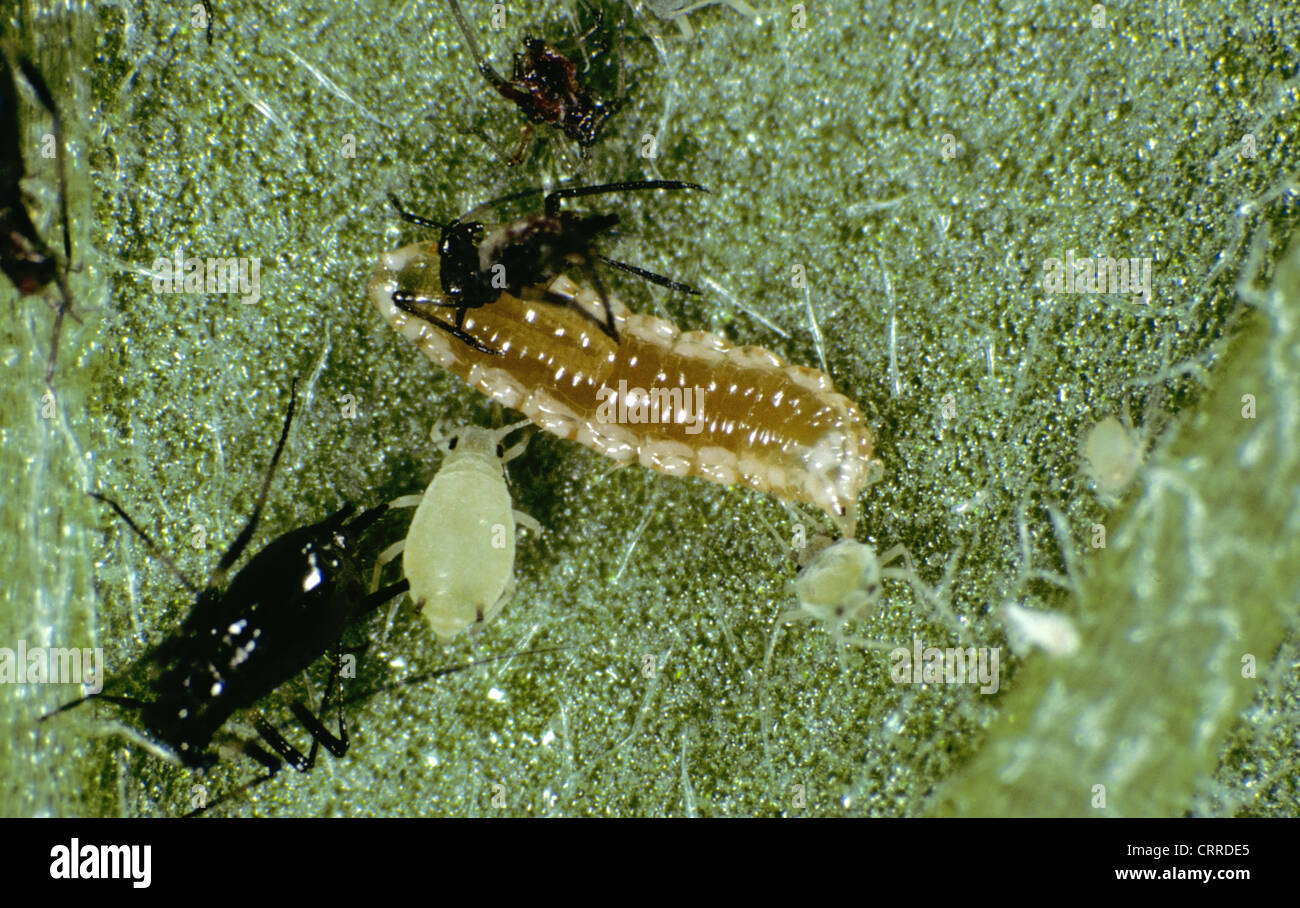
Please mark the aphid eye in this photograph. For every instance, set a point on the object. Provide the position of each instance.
(451, 445)
(501, 450)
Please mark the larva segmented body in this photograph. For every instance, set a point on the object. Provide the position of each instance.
(775, 427)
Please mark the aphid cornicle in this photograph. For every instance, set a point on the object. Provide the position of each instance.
(24, 256)
(769, 425)
(521, 257)
(545, 87)
(283, 610)
(459, 553)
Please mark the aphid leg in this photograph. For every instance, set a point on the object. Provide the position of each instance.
(521, 148)
(284, 750)
(932, 600)
(128, 702)
(527, 522)
(246, 534)
(514, 451)
(607, 325)
(388, 555)
(315, 724)
(410, 303)
(65, 308)
(650, 276)
(207, 11)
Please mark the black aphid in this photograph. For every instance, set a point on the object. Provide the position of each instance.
(25, 257)
(477, 265)
(283, 610)
(544, 85)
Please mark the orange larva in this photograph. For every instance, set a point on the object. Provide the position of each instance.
(775, 427)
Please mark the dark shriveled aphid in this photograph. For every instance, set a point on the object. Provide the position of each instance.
(283, 610)
(544, 85)
(519, 258)
(25, 257)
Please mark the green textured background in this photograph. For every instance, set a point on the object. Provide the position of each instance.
(822, 147)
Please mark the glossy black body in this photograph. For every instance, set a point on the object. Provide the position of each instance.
(248, 634)
(287, 607)
(475, 267)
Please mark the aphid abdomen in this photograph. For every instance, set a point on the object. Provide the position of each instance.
(681, 403)
(279, 614)
(460, 548)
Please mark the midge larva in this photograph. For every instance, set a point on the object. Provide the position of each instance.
(683, 403)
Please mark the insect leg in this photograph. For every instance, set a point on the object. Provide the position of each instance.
(410, 303)
(129, 702)
(21, 229)
(608, 325)
(521, 149)
(650, 276)
(337, 746)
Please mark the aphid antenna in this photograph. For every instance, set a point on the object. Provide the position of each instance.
(554, 198)
(418, 220)
(148, 541)
(494, 78)
(246, 534)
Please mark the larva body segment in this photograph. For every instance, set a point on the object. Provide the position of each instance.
(683, 403)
